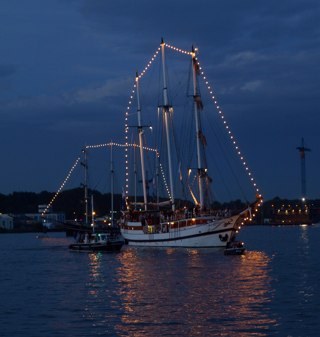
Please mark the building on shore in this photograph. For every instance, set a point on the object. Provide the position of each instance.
(6, 222)
(288, 212)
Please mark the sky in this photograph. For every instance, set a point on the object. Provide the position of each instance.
(67, 68)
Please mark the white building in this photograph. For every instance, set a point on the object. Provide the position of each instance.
(50, 220)
(44, 209)
(47, 217)
(6, 221)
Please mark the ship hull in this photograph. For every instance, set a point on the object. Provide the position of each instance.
(212, 233)
(97, 247)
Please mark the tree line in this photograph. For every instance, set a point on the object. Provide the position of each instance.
(72, 202)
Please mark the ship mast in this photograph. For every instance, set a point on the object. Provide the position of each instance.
(197, 105)
(112, 183)
(167, 110)
(92, 214)
(135, 177)
(85, 165)
(140, 132)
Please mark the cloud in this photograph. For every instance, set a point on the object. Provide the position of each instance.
(71, 81)
(109, 89)
(244, 58)
(43, 104)
(252, 86)
(7, 70)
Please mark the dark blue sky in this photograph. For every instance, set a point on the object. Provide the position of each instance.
(67, 66)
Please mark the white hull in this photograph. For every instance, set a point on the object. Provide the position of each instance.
(213, 233)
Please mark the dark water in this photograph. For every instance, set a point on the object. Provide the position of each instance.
(273, 290)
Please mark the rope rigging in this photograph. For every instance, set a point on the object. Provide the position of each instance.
(184, 152)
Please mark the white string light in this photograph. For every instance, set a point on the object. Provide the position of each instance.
(120, 145)
(126, 126)
(179, 50)
(78, 159)
(61, 187)
(126, 145)
(220, 113)
(165, 182)
(227, 127)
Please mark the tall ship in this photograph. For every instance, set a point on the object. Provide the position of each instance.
(169, 165)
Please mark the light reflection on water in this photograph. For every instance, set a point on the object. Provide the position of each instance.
(194, 292)
(273, 290)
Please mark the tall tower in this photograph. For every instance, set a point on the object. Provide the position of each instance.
(302, 149)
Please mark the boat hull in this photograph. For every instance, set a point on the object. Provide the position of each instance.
(212, 233)
(234, 251)
(97, 247)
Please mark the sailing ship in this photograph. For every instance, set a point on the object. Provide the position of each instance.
(172, 223)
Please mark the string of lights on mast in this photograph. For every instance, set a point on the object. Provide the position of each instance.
(110, 144)
(127, 145)
(217, 106)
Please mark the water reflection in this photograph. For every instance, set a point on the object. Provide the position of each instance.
(95, 265)
(95, 289)
(304, 234)
(193, 292)
(306, 291)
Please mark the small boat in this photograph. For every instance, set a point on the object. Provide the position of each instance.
(111, 241)
(98, 242)
(234, 248)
